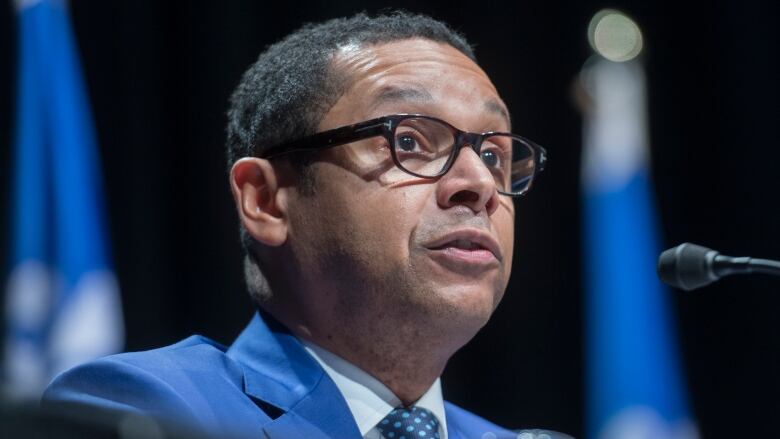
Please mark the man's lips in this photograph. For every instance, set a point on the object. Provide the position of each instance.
(471, 244)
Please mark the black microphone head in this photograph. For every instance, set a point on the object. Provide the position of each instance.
(687, 266)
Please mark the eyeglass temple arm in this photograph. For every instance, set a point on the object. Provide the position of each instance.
(328, 139)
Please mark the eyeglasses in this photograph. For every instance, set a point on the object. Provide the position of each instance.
(426, 147)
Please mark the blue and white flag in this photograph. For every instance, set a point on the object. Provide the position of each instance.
(62, 302)
(635, 386)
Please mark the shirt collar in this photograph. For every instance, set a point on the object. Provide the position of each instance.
(368, 399)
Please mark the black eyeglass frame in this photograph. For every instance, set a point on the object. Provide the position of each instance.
(385, 126)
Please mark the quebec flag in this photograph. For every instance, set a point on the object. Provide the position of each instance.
(62, 299)
(634, 383)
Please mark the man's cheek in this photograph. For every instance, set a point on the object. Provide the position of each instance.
(389, 229)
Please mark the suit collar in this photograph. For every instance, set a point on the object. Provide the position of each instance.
(279, 372)
(277, 369)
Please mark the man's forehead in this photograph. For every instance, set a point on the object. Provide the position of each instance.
(416, 71)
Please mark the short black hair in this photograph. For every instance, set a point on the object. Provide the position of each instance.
(291, 86)
(289, 89)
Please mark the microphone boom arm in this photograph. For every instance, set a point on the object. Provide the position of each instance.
(727, 265)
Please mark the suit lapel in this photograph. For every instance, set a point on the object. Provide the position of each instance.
(279, 372)
(452, 429)
(321, 414)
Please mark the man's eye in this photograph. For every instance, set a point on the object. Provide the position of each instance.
(406, 143)
(490, 158)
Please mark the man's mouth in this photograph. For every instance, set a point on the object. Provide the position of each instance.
(468, 247)
(466, 252)
(463, 244)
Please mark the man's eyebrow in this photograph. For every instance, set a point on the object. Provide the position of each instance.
(494, 107)
(392, 93)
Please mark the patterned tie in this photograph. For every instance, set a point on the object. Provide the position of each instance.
(409, 423)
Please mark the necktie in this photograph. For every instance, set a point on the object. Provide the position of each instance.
(409, 423)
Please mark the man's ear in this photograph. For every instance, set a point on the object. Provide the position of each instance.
(260, 202)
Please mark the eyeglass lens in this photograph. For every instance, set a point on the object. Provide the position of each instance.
(423, 147)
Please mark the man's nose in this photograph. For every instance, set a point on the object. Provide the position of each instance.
(468, 183)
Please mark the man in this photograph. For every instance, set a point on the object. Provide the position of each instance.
(377, 218)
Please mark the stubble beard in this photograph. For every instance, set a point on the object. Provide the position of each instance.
(390, 321)
(383, 314)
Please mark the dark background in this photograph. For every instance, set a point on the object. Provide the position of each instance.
(159, 74)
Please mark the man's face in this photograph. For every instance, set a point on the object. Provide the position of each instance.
(385, 245)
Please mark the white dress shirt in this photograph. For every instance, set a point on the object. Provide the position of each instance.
(367, 398)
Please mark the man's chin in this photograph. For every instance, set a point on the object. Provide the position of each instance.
(461, 286)
(463, 306)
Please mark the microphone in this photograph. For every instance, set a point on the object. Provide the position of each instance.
(690, 266)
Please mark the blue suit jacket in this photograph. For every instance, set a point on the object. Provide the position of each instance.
(264, 385)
